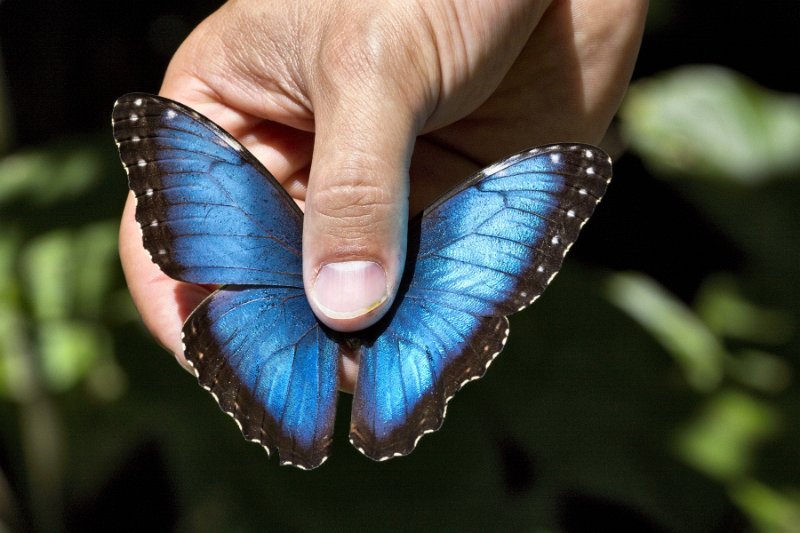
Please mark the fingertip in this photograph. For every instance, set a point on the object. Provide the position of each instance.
(350, 295)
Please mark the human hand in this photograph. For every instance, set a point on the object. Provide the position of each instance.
(343, 101)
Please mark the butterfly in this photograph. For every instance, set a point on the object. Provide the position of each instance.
(210, 213)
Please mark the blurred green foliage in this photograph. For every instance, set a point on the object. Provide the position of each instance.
(55, 283)
(616, 402)
(710, 122)
(733, 149)
(47, 176)
(58, 273)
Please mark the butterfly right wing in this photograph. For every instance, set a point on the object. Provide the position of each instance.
(486, 250)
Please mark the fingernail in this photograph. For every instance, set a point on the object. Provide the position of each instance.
(349, 289)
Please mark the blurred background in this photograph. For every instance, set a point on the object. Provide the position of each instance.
(654, 387)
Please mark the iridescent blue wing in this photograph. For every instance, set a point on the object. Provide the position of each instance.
(270, 365)
(486, 250)
(209, 211)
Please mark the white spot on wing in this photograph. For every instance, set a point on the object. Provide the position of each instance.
(493, 169)
(233, 144)
(171, 114)
(137, 102)
(555, 158)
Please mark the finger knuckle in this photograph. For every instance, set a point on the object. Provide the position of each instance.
(366, 47)
(352, 206)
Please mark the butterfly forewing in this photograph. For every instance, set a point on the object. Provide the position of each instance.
(209, 211)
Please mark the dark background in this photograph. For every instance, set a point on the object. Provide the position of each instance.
(67, 62)
(557, 437)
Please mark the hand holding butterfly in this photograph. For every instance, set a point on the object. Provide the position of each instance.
(348, 102)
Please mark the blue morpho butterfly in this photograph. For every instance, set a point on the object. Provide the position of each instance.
(210, 213)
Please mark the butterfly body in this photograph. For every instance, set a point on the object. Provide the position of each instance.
(211, 213)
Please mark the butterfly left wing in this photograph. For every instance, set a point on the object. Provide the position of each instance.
(211, 213)
(208, 210)
(486, 250)
(265, 358)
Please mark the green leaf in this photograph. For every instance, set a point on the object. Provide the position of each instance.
(722, 441)
(771, 510)
(728, 313)
(48, 270)
(682, 334)
(95, 255)
(51, 174)
(711, 122)
(761, 370)
(68, 351)
(16, 373)
(70, 273)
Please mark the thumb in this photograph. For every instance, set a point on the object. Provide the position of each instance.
(356, 211)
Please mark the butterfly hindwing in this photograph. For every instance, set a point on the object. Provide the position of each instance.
(486, 250)
(270, 365)
(209, 211)
(409, 372)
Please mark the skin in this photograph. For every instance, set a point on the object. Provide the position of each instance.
(351, 105)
